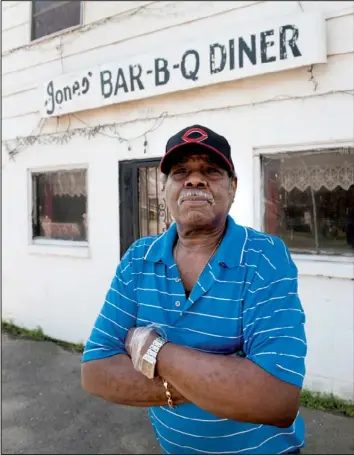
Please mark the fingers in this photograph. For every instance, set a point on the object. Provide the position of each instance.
(137, 345)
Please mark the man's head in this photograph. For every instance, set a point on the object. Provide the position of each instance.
(199, 177)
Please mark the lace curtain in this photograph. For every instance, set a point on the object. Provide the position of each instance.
(68, 183)
(328, 171)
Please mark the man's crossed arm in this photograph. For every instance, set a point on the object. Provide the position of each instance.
(229, 387)
(263, 387)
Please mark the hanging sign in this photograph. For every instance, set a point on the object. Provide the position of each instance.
(277, 45)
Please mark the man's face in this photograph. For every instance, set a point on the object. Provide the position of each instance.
(199, 192)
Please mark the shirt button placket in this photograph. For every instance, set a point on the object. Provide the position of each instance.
(178, 304)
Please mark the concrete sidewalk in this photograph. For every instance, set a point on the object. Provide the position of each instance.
(45, 411)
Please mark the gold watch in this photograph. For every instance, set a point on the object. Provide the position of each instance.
(148, 366)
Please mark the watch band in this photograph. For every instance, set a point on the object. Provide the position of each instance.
(149, 358)
(155, 346)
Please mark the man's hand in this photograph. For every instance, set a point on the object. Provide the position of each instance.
(137, 343)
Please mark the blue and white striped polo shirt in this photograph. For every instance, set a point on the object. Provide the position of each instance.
(245, 300)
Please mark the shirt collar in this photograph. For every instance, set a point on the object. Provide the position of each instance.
(229, 253)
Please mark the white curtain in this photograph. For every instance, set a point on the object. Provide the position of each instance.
(326, 170)
(68, 183)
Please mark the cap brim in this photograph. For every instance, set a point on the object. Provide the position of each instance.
(170, 157)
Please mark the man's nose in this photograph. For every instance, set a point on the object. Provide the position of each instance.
(195, 180)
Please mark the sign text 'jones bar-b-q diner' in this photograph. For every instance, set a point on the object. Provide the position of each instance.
(278, 45)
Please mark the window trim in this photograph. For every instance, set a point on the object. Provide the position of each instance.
(51, 249)
(54, 34)
(258, 201)
(41, 244)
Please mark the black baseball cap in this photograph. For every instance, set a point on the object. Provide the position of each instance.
(201, 137)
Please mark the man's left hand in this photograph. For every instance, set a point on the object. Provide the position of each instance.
(137, 343)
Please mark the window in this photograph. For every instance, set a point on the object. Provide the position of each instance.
(59, 205)
(51, 17)
(309, 200)
(143, 209)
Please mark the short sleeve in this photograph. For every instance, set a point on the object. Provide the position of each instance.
(273, 318)
(117, 316)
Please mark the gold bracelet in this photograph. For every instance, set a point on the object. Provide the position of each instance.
(168, 394)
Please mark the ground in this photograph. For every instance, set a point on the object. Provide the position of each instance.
(45, 411)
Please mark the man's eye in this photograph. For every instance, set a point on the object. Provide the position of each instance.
(181, 170)
(214, 171)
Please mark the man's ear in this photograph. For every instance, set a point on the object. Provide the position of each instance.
(234, 184)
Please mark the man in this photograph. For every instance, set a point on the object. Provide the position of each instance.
(203, 324)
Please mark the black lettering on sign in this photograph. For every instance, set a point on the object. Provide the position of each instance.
(59, 96)
(106, 83)
(265, 45)
(192, 73)
(76, 88)
(250, 52)
(135, 77)
(291, 41)
(161, 66)
(50, 91)
(214, 50)
(67, 93)
(85, 85)
(232, 53)
(120, 82)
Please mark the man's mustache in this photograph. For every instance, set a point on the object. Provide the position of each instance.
(197, 195)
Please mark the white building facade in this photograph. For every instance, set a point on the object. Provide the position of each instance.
(91, 92)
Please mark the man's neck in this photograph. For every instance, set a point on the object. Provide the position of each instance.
(200, 240)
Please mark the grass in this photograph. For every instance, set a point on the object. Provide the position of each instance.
(38, 335)
(314, 400)
(326, 402)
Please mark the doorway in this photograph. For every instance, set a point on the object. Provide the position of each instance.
(142, 210)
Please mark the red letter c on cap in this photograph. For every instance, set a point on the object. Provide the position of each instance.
(202, 135)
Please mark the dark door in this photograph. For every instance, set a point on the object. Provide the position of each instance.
(142, 204)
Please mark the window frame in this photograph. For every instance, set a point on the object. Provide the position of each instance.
(56, 246)
(258, 192)
(59, 32)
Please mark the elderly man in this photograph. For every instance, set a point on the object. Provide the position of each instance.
(203, 323)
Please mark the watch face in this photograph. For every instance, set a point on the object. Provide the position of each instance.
(148, 369)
